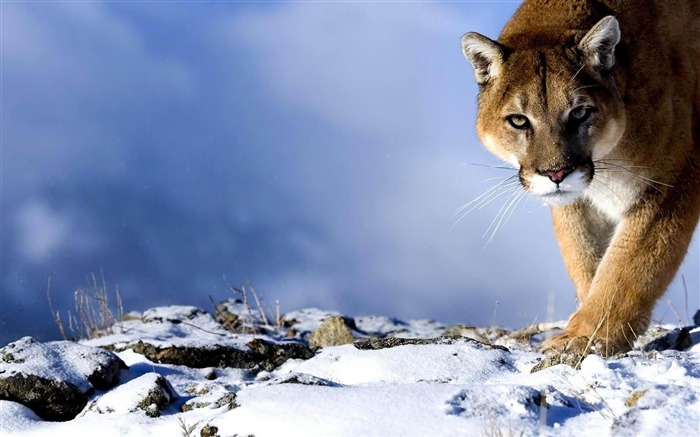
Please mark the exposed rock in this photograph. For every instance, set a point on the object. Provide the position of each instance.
(55, 379)
(383, 343)
(49, 399)
(209, 431)
(214, 400)
(660, 339)
(237, 316)
(302, 323)
(262, 354)
(150, 393)
(189, 336)
(272, 355)
(159, 396)
(334, 331)
(633, 399)
(173, 314)
(466, 331)
(303, 379)
(197, 357)
(570, 359)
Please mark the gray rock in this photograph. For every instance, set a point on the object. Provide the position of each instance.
(55, 379)
(334, 331)
(383, 343)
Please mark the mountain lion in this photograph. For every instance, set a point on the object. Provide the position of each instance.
(597, 104)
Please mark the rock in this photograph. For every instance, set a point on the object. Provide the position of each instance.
(302, 323)
(213, 400)
(150, 393)
(197, 357)
(633, 399)
(659, 339)
(159, 396)
(570, 359)
(261, 354)
(334, 331)
(302, 379)
(273, 354)
(175, 314)
(466, 331)
(50, 399)
(55, 379)
(209, 431)
(239, 317)
(383, 343)
(189, 336)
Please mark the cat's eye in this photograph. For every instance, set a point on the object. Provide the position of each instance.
(518, 121)
(580, 113)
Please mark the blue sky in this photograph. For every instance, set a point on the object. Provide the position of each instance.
(318, 150)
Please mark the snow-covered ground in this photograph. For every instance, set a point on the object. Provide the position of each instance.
(446, 387)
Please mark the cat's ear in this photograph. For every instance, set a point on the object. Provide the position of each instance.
(485, 55)
(598, 46)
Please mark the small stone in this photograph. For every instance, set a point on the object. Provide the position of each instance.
(570, 359)
(465, 331)
(157, 398)
(334, 331)
(633, 399)
(228, 400)
(209, 431)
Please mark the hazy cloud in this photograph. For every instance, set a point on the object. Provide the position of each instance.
(317, 149)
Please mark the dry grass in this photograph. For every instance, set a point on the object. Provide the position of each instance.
(253, 311)
(187, 430)
(93, 316)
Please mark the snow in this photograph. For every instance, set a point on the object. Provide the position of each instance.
(175, 325)
(125, 398)
(459, 388)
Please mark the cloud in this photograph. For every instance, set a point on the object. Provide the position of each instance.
(387, 76)
(318, 150)
(41, 231)
(355, 64)
(70, 68)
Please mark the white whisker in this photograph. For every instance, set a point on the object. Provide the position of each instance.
(504, 183)
(493, 196)
(501, 213)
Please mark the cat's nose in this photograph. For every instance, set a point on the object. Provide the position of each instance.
(557, 175)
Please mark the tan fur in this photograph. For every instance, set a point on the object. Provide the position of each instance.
(629, 202)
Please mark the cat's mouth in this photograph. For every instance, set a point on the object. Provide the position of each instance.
(556, 188)
(559, 197)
